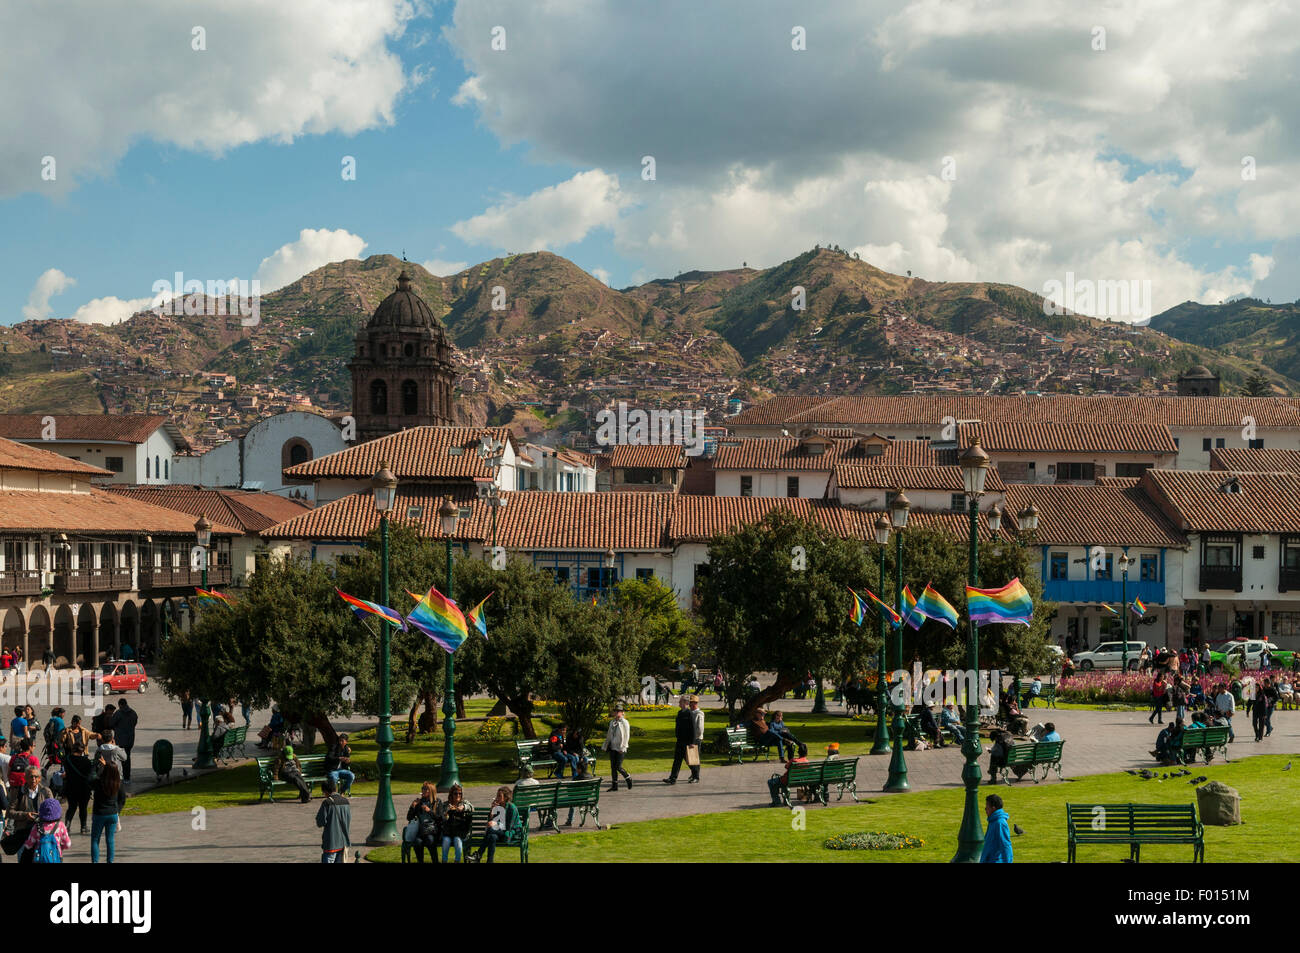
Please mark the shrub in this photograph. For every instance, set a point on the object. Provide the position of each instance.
(873, 840)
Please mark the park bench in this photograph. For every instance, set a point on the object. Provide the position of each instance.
(547, 799)
(1207, 740)
(535, 753)
(1134, 825)
(1043, 754)
(313, 772)
(1047, 695)
(818, 776)
(478, 831)
(231, 741)
(734, 743)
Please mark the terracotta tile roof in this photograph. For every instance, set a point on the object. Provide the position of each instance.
(250, 511)
(122, 428)
(651, 456)
(700, 518)
(1266, 503)
(910, 478)
(1115, 513)
(354, 517)
(1117, 436)
(421, 453)
(1264, 460)
(849, 522)
(20, 456)
(928, 410)
(788, 453)
(775, 410)
(97, 511)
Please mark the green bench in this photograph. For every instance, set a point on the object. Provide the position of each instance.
(232, 740)
(1207, 740)
(820, 775)
(478, 832)
(547, 800)
(535, 753)
(735, 744)
(1047, 694)
(1043, 754)
(313, 772)
(1134, 825)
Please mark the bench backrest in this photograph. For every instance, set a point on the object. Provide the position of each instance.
(529, 746)
(577, 793)
(1130, 818)
(1048, 750)
(1218, 735)
(823, 772)
(737, 733)
(531, 796)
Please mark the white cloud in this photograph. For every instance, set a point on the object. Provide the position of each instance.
(442, 268)
(50, 283)
(602, 274)
(102, 76)
(315, 247)
(549, 218)
(110, 310)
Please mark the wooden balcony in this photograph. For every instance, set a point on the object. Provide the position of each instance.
(167, 578)
(1227, 578)
(23, 582)
(92, 580)
(1288, 580)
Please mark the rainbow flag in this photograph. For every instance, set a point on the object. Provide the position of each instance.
(439, 618)
(910, 615)
(1138, 607)
(859, 611)
(210, 597)
(1111, 609)
(885, 609)
(931, 605)
(476, 618)
(362, 608)
(1010, 604)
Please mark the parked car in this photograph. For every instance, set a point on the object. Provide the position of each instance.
(1109, 655)
(1248, 653)
(118, 676)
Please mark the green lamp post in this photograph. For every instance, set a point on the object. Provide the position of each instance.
(203, 756)
(383, 829)
(881, 743)
(898, 509)
(1124, 563)
(448, 514)
(974, 465)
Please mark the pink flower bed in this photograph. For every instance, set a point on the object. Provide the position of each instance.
(1104, 687)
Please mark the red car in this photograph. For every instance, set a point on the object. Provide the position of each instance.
(120, 676)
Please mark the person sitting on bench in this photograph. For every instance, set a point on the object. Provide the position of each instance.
(998, 754)
(778, 725)
(765, 736)
(1167, 749)
(948, 719)
(1035, 689)
(929, 727)
(290, 771)
(778, 781)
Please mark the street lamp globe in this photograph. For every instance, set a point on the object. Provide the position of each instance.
(609, 558)
(384, 485)
(882, 530)
(1028, 518)
(448, 515)
(974, 465)
(203, 532)
(1124, 562)
(995, 518)
(898, 509)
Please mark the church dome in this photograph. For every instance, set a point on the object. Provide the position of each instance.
(403, 309)
(1198, 370)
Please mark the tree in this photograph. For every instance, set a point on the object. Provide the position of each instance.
(1257, 385)
(670, 631)
(774, 599)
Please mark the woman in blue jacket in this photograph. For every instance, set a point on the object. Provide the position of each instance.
(997, 841)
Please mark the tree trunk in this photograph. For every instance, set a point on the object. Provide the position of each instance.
(322, 724)
(410, 721)
(428, 721)
(785, 681)
(498, 710)
(523, 710)
(460, 703)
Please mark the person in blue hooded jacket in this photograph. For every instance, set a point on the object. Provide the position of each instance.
(997, 841)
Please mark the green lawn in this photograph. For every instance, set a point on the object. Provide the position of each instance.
(651, 750)
(769, 834)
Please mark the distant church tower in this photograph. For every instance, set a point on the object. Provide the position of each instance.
(402, 372)
(1199, 381)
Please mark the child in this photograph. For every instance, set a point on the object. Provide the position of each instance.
(48, 838)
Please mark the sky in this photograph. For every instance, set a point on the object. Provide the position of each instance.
(1036, 143)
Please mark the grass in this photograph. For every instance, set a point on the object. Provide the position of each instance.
(651, 750)
(768, 834)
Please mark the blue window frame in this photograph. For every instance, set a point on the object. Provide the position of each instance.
(1149, 567)
(1060, 567)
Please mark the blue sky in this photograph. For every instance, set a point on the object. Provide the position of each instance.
(1123, 163)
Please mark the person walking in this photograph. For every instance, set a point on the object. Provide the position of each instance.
(78, 782)
(1157, 699)
(109, 800)
(334, 817)
(616, 739)
(48, 838)
(682, 735)
(25, 809)
(124, 722)
(696, 745)
(187, 711)
(997, 841)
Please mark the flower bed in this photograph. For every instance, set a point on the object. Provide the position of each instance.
(873, 840)
(1091, 688)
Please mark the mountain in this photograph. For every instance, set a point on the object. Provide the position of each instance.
(540, 343)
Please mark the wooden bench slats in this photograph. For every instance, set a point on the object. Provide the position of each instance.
(313, 772)
(533, 752)
(547, 799)
(1207, 740)
(820, 775)
(1135, 825)
(1042, 754)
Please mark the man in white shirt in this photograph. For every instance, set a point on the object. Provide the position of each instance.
(1226, 706)
(616, 739)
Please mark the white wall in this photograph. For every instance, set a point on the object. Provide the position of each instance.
(812, 483)
(262, 450)
(1191, 456)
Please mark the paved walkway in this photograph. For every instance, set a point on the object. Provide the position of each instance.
(1096, 743)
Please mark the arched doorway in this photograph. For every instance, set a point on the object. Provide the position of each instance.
(148, 623)
(38, 635)
(64, 633)
(108, 645)
(87, 629)
(129, 627)
(15, 632)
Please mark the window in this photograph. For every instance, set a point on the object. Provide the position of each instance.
(1256, 444)
(1205, 444)
(298, 453)
(1218, 443)
(1219, 552)
(1286, 624)
(410, 397)
(1107, 571)
(167, 469)
(114, 464)
(1149, 570)
(560, 574)
(414, 512)
(645, 575)
(408, 349)
(957, 502)
(1291, 553)
(1131, 469)
(1074, 471)
(701, 572)
(598, 577)
(746, 485)
(1257, 552)
(378, 397)
(1177, 445)
(792, 486)
(146, 468)
(1060, 567)
(642, 476)
(157, 470)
